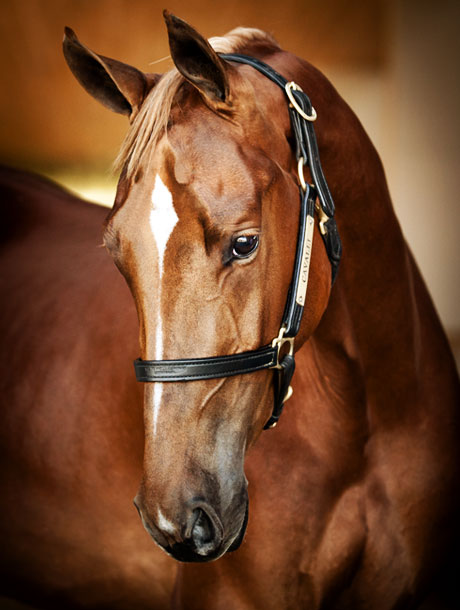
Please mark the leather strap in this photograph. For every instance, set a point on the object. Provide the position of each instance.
(306, 148)
(293, 311)
(283, 378)
(193, 369)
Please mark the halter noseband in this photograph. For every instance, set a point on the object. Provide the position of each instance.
(273, 356)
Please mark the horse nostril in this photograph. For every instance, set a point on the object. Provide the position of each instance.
(203, 531)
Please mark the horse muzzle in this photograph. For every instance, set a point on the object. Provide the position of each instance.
(203, 536)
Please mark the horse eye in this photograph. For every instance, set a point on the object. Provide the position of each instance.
(244, 246)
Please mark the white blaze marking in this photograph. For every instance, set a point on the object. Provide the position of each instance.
(165, 524)
(163, 219)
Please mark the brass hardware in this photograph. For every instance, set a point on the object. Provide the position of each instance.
(288, 88)
(323, 218)
(289, 393)
(278, 343)
(300, 165)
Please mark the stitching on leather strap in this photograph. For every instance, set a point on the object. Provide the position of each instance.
(266, 355)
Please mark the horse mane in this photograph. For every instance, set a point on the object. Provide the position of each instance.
(152, 119)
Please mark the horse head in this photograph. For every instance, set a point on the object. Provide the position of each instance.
(204, 230)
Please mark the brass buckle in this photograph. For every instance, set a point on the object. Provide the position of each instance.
(293, 86)
(278, 343)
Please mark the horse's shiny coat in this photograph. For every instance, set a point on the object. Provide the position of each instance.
(353, 498)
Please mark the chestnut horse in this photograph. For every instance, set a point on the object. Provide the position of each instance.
(353, 497)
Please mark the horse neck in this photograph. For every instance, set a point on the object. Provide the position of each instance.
(379, 298)
(380, 313)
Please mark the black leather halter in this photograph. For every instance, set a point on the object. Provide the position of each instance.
(274, 356)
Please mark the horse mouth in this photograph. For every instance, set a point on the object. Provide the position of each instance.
(239, 539)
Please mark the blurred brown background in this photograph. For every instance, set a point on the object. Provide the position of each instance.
(395, 62)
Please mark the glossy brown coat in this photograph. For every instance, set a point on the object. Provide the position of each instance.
(353, 498)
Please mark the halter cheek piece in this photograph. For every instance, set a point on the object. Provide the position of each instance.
(279, 355)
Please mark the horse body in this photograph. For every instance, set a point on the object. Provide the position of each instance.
(353, 497)
(71, 446)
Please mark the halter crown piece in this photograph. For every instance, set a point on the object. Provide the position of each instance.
(279, 355)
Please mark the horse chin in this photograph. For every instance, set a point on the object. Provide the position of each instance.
(239, 539)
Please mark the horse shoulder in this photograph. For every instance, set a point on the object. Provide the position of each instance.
(72, 429)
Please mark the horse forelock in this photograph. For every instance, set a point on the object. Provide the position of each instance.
(151, 122)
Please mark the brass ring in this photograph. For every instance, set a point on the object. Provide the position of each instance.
(288, 88)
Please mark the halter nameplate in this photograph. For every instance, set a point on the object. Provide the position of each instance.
(306, 257)
(273, 356)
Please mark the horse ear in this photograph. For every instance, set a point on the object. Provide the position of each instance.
(119, 87)
(196, 60)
